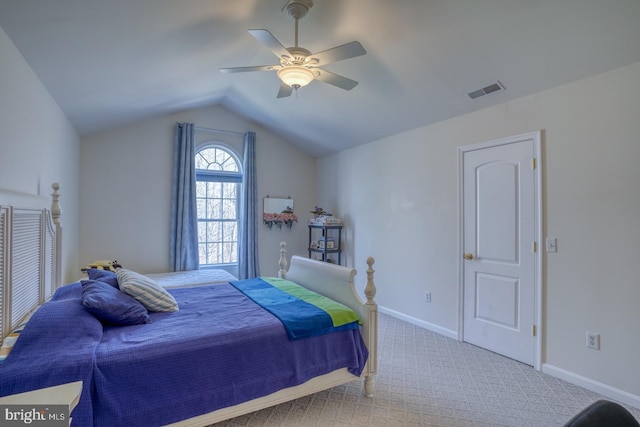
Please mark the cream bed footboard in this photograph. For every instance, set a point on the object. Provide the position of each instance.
(337, 282)
(333, 281)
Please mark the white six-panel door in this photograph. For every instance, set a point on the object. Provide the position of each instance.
(499, 245)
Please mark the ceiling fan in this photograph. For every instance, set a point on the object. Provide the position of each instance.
(298, 66)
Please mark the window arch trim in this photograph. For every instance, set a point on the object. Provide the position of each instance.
(217, 175)
(233, 152)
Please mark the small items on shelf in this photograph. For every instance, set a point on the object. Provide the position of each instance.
(329, 242)
(322, 217)
(325, 220)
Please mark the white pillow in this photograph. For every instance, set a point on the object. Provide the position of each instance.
(146, 290)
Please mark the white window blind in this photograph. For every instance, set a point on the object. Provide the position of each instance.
(25, 271)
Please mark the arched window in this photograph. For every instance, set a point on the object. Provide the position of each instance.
(218, 180)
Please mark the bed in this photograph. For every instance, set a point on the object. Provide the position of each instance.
(170, 371)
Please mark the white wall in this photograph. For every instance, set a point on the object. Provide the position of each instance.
(38, 145)
(399, 196)
(125, 189)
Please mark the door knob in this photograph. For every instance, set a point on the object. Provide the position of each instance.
(468, 256)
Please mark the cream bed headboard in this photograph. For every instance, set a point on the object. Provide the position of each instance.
(30, 268)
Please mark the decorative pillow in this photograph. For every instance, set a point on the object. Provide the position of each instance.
(109, 305)
(71, 291)
(146, 290)
(106, 276)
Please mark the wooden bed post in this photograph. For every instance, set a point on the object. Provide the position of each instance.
(283, 260)
(372, 330)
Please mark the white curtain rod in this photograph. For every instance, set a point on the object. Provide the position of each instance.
(218, 130)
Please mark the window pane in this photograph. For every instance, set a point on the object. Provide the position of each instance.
(201, 204)
(202, 232)
(230, 252)
(229, 210)
(201, 189)
(202, 253)
(214, 231)
(229, 231)
(201, 162)
(229, 190)
(214, 189)
(213, 253)
(213, 208)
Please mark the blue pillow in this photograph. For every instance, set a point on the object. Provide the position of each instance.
(103, 276)
(70, 291)
(111, 305)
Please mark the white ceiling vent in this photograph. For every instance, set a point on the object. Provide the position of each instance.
(486, 90)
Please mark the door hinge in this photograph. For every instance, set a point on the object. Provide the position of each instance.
(535, 247)
(533, 330)
(533, 163)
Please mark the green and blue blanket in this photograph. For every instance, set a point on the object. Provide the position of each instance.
(303, 313)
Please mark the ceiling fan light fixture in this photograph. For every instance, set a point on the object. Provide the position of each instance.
(298, 67)
(296, 76)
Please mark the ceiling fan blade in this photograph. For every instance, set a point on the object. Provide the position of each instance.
(338, 53)
(285, 90)
(255, 68)
(266, 38)
(336, 80)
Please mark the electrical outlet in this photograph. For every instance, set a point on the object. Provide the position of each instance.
(593, 340)
(427, 297)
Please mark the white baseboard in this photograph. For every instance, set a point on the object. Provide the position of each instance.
(595, 386)
(430, 326)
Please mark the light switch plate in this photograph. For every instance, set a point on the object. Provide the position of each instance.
(552, 244)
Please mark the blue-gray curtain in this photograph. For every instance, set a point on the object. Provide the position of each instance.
(184, 215)
(248, 234)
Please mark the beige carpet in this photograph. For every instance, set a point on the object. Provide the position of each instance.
(426, 379)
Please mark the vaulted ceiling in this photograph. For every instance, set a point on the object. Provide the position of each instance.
(109, 63)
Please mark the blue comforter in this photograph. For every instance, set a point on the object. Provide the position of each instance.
(220, 349)
(57, 346)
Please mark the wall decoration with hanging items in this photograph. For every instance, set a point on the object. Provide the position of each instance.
(278, 211)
